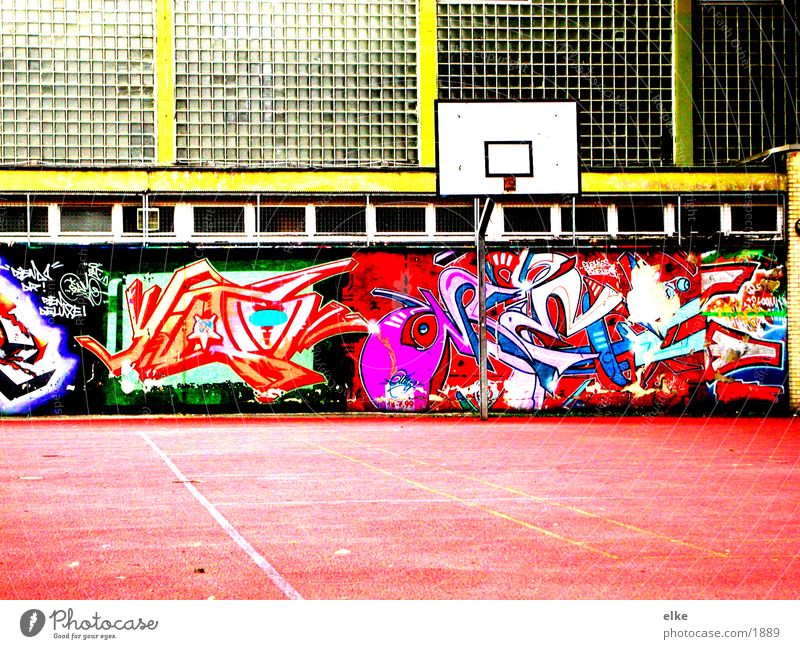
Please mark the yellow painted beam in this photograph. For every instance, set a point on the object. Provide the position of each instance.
(428, 82)
(291, 182)
(670, 182)
(682, 73)
(165, 83)
(55, 180)
(353, 182)
(285, 182)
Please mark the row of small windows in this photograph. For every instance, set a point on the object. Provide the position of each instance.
(685, 217)
(693, 219)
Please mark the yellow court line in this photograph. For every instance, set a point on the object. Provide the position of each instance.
(547, 501)
(467, 503)
(768, 540)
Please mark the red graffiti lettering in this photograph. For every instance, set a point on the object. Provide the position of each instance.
(200, 317)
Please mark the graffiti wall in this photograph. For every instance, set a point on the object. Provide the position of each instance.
(180, 329)
(44, 298)
(573, 330)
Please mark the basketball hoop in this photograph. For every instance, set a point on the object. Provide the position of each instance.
(485, 149)
(502, 148)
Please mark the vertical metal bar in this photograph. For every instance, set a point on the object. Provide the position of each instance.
(258, 219)
(483, 357)
(682, 84)
(165, 82)
(145, 216)
(574, 233)
(428, 68)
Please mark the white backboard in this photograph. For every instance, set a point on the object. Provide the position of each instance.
(481, 145)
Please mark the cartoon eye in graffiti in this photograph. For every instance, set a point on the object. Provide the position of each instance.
(420, 331)
(677, 285)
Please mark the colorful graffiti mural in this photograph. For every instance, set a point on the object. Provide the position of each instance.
(164, 329)
(744, 301)
(257, 329)
(581, 329)
(63, 293)
(35, 366)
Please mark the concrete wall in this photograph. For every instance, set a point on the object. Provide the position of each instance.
(134, 329)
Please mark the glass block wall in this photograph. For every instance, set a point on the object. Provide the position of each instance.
(613, 57)
(334, 83)
(747, 82)
(77, 82)
(296, 82)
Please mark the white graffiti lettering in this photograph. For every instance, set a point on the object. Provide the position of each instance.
(600, 267)
(56, 306)
(88, 287)
(32, 272)
(66, 297)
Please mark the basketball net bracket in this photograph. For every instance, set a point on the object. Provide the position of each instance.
(515, 149)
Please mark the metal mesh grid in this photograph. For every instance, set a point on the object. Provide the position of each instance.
(13, 218)
(296, 82)
(166, 219)
(85, 218)
(698, 219)
(633, 218)
(533, 218)
(214, 220)
(277, 219)
(133, 220)
(455, 219)
(77, 82)
(612, 57)
(400, 219)
(587, 219)
(129, 220)
(39, 221)
(754, 218)
(747, 78)
(341, 220)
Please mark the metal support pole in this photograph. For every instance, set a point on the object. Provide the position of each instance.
(481, 224)
(145, 215)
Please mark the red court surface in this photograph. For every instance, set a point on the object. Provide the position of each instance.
(400, 508)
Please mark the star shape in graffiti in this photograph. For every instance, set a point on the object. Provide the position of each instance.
(204, 331)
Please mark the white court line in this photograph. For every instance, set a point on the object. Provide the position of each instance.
(274, 576)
